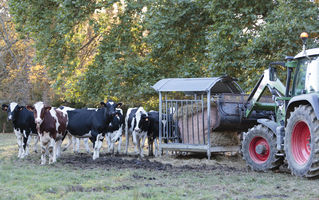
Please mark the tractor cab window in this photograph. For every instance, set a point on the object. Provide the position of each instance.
(307, 76)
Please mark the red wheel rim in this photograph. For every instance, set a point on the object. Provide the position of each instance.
(259, 157)
(300, 143)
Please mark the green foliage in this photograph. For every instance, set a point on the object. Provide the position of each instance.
(97, 50)
(248, 35)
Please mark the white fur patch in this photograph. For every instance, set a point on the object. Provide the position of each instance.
(53, 114)
(13, 106)
(38, 106)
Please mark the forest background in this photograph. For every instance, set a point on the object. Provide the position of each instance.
(81, 52)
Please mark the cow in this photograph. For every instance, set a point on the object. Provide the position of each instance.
(23, 125)
(153, 130)
(51, 125)
(137, 124)
(92, 123)
(72, 139)
(114, 133)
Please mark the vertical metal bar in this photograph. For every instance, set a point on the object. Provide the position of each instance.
(166, 132)
(170, 120)
(176, 135)
(203, 118)
(192, 111)
(160, 123)
(197, 122)
(182, 106)
(208, 124)
(187, 122)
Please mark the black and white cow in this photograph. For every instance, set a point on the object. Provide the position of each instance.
(153, 131)
(23, 125)
(92, 123)
(114, 133)
(137, 124)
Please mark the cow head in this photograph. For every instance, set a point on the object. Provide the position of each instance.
(39, 109)
(117, 120)
(12, 109)
(110, 110)
(142, 121)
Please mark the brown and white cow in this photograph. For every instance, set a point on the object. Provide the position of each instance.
(51, 124)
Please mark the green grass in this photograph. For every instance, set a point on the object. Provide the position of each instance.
(26, 179)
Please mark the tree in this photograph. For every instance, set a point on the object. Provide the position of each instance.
(21, 79)
(248, 35)
(96, 50)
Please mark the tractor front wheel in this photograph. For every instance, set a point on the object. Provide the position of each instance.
(302, 142)
(259, 149)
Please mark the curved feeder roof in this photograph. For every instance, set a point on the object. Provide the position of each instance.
(224, 84)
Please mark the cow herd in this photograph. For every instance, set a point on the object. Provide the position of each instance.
(51, 125)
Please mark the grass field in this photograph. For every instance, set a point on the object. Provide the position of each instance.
(77, 176)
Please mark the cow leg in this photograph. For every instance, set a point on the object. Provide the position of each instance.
(108, 141)
(43, 154)
(97, 146)
(27, 146)
(140, 149)
(76, 144)
(86, 144)
(19, 141)
(69, 142)
(126, 139)
(144, 135)
(150, 146)
(134, 136)
(58, 148)
(44, 141)
(35, 147)
(156, 141)
(119, 145)
(52, 151)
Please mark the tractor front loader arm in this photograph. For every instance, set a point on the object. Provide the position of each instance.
(276, 87)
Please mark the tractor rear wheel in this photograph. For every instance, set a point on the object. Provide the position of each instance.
(259, 149)
(302, 142)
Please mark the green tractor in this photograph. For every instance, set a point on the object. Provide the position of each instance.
(292, 133)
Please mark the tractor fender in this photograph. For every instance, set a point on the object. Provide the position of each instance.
(304, 99)
(269, 124)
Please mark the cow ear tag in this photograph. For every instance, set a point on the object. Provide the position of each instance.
(20, 108)
(146, 119)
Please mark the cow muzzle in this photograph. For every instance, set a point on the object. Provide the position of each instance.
(138, 130)
(38, 121)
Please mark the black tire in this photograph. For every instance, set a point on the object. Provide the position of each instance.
(302, 142)
(266, 159)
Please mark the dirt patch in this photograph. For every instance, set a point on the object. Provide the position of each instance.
(167, 163)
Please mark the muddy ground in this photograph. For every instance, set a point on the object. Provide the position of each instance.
(183, 176)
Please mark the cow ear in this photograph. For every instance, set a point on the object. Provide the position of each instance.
(103, 104)
(4, 107)
(47, 108)
(31, 108)
(119, 105)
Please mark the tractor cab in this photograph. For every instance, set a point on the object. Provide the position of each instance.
(307, 72)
